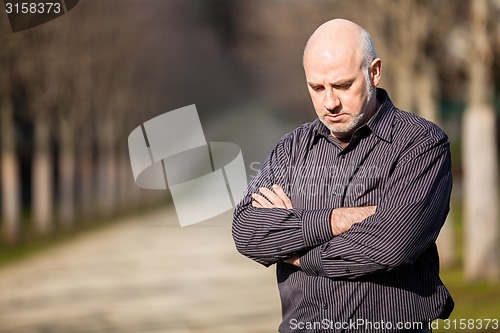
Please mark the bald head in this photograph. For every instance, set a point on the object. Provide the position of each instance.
(342, 72)
(341, 39)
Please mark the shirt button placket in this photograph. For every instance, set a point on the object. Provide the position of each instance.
(342, 178)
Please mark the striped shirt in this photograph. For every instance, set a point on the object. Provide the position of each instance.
(384, 268)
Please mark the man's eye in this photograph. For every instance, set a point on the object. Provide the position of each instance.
(317, 88)
(344, 86)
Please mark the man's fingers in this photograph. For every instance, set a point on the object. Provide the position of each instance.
(272, 197)
(259, 199)
(256, 204)
(282, 195)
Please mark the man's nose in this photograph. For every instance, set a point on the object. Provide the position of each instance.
(331, 101)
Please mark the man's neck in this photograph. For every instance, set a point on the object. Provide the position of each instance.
(343, 141)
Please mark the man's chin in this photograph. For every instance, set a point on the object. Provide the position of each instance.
(336, 130)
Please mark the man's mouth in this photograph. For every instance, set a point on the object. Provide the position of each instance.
(334, 117)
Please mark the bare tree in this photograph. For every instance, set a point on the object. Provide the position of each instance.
(480, 153)
(10, 179)
(69, 118)
(73, 111)
(42, 68)
(41, 96)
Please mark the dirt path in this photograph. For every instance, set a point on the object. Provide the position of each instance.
(143, 275)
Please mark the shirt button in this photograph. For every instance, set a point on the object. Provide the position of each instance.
(325, 306)
(348, 271)
(279, 249)
(342, 156)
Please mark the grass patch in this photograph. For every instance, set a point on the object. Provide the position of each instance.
(472, 301)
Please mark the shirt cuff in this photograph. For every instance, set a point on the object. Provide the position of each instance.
(316, 226)
(311, 262)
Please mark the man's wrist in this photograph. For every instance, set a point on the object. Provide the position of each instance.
(316, 226)
(335, 219)
(311, 263)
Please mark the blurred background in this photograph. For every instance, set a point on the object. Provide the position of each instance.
(84, 249)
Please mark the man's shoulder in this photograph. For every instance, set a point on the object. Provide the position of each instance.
(302, 134)
(410, 127)
(297, 141)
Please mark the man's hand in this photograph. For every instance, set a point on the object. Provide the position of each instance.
(270, 199)
(342, 219)
(295, 260)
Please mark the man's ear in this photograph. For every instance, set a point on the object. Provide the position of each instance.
(376, 71)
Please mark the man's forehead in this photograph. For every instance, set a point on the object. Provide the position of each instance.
(334, 65)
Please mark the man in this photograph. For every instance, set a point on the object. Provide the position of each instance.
(350, 205)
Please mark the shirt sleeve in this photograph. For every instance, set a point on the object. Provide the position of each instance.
(407, 220)
(270, 235)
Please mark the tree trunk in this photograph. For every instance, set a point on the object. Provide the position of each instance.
(66, 174)
(107, 171)
(86, 177)
(479, 156)
(42, 178)
(111, 181)
(125, 179)
(481, 194)
(10, 180)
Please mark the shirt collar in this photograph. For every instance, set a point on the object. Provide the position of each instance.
(382, 121)
(379, 124)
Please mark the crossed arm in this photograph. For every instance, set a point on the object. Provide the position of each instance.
(348, 242)
(341, 219)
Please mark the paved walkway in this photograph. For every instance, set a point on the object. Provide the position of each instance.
(144, 275)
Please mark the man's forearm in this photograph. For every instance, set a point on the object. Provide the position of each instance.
(270, 235)
(275, 231)
(342, 219)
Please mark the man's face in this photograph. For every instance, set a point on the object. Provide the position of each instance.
(339, 90)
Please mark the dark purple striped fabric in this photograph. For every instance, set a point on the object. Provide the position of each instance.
(385, 268)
